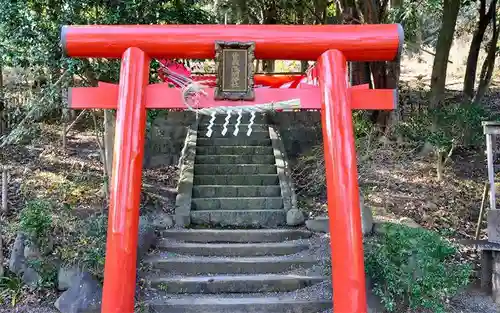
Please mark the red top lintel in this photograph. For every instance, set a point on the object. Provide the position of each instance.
(286, 42)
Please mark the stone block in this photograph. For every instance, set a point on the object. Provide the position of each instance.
(84, 296)
(294, 217)
(162, 221)
(146, 237)
(182, 220)
(493, 229)
(66, 276)
(17, 261)
(319, 224)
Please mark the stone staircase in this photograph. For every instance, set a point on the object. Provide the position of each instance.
(238, 257)
(235, 178)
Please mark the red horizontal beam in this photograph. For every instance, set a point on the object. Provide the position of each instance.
(161, 96)
(286, 42)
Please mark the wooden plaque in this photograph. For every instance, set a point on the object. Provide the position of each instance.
(234, 68)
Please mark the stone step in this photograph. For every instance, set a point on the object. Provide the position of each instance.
(239, 218)
(232, 249)
(232, 284)
(250, 304)
(234, 169)
(233, 141)
(216, 191)
(262, 134)
(268, 179)
(234, 150)
(235, 159)
(243, 127)
(199, 265)
(235, 235)
(249, 203)
(221, 119)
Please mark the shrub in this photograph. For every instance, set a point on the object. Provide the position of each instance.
(414, 268)
(309, 170)
(85, 245)
(36, 221)
(457, 125)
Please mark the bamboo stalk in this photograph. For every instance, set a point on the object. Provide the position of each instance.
(4, 190)
(1, 257)
(75, 120)
(481, 211)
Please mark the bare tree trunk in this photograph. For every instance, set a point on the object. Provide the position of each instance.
(1, 258)
(5, 189)
(243, 12)
(304, 65)
(268, 66)
(3, 109)
(475, 46)
(445, 40)
(440, 165)
(438, 77)
(102, 151)
(64, 132)
(270, 17)
(109, 139)
(489, 63)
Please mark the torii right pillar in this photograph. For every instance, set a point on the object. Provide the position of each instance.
(342, 185)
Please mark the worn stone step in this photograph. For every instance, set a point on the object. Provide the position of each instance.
(200, 265)
(239, 218)
(235, 159)
(235, 235)
(243, 127)
(222, 191)
(267, 179)
(262, 134)
(221, 119)
(249, 203)
(227, 304)
(234, 141)
(232, 283)
(234, 150)
(234, 169)
(232, 249)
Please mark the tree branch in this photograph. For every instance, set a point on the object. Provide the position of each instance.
(482, 8)
(319, 20)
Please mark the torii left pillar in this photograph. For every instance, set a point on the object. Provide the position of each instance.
(125, 197)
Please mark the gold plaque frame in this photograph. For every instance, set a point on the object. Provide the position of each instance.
(245, 88)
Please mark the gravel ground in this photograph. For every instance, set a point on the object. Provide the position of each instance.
(473, 301)
(29, 309)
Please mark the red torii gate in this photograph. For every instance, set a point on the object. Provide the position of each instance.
(331, 45)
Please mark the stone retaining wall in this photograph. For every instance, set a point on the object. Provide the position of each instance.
(165, 138)
(300, 131)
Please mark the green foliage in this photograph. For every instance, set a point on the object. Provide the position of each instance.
(36, 221)
(453, 125)
(414, 268)
(47, 270)
(417, 18)
(29, 39)
(84, 244)
(10, 289)
(362, 126)
(92, 243)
